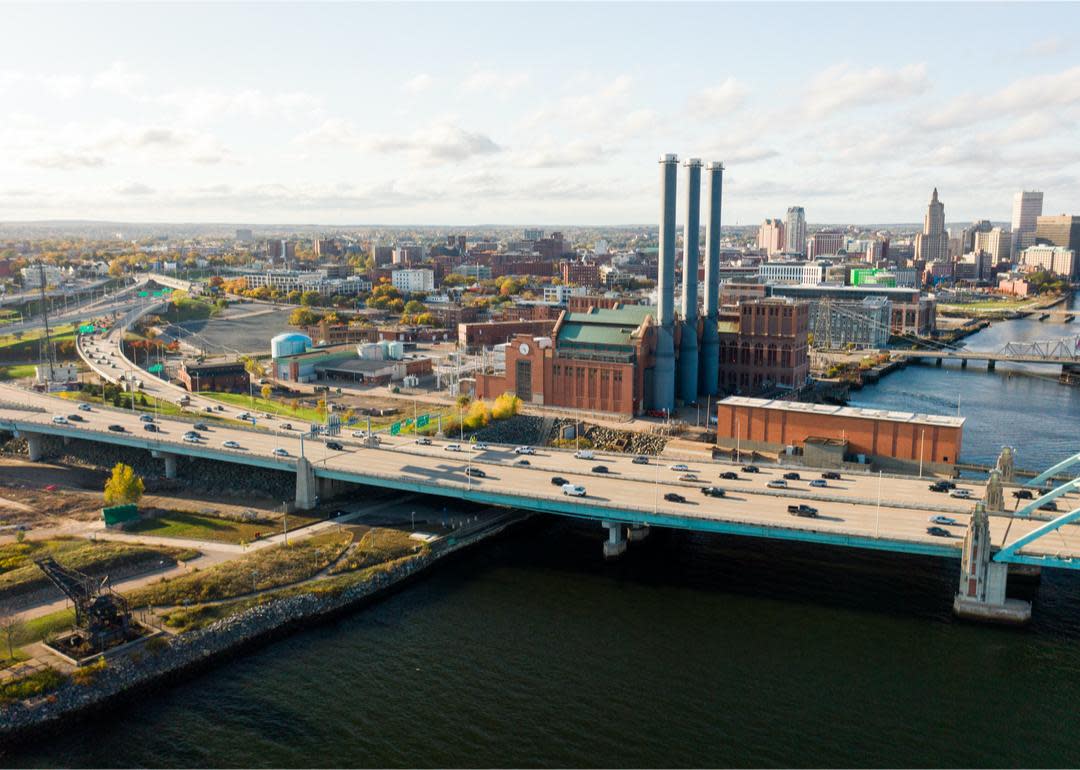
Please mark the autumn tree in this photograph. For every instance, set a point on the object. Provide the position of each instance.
(266, 391)
(123, 486)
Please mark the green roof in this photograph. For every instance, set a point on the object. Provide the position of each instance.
(608, 328)
(622, 316)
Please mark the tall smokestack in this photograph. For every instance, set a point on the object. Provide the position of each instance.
(710, 339)
(688, 344)
(664, 371)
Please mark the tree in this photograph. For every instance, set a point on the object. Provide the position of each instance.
(123, 487)
(303, 316)
(266, 391)
(506, 405)
(10, 625)
(414, 306)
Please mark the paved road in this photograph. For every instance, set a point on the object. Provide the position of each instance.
(847, 508)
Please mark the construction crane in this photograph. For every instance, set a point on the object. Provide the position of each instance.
(102, 616)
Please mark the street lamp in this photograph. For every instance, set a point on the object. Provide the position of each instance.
(922, 444)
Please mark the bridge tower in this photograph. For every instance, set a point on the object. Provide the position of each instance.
(1006, 464)
(994, 498)
(982, 581)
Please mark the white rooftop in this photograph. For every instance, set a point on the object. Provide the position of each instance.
(846, 411)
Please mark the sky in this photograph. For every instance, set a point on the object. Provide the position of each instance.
(521, 113)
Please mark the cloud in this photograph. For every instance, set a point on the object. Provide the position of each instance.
(118, 78)
(432, 145)
(1046, 47)
(1024, 95)
(548, 154)
(66, 161)
(200, 106)
(721, 99)
(842, 87)
(494, 82)
(419, 83)
(63, 86)
(134, 188)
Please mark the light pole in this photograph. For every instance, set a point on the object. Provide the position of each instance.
(738, 436)
(656, 488)
(922, 445)
(877, 515)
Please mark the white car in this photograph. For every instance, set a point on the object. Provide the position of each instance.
(777, 484)
(574, 490)
(524, 450)
(359, 434)
(423, 441)
(681, 467)
(939, 519)
(584, 454)
(480, 447)
(191, 439)
(452, 448)
(962, 494)
(231, 444)
(60, 419)
(688, 477)
(281, 452)
(85, 408)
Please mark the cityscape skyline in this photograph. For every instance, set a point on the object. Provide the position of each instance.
(512, 134)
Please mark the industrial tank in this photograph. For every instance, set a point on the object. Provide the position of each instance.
(289, 344)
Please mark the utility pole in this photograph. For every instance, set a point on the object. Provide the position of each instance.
(922, 445)
(45, 316)
(877, 516)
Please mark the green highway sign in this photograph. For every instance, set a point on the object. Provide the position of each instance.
(422, 421)
(86, 329)
(395, 429)
(155, 369)
(144, 294)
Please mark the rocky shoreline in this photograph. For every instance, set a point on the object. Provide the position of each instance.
(188, 652)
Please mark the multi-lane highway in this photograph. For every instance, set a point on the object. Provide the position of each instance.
(849, 509)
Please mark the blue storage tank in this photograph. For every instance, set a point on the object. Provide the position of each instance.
(289, 344)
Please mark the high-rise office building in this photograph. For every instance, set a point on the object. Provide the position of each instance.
(933, 242)
(824, 242)
(1063, 231)
(1027, 208)
(997, 243)
(795, 230)
(771, 236)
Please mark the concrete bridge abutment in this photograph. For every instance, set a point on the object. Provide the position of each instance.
(307, 489)
(34, 446)
(170, 462)
(615, 545)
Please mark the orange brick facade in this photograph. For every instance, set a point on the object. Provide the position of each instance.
(872, 436)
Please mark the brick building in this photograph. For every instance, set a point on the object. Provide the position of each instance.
(580, 274)
(763, 345)
(473, 336)
(894, 440)
(227, 377)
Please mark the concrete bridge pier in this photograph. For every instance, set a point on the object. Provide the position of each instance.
(615, 545)
(306, 486)
(937, 362)
(33, 446)
(170, 462)
(637, 533)
(963, 363)
(982, 581)
(991, 365)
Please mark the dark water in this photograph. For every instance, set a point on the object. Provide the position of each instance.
(690, 651)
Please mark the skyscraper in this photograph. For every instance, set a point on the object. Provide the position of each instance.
(795, 230)
(1027, 208)
(771, 236)
(933, 242)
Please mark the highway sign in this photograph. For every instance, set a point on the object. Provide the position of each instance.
(395, 429)
(422, 421)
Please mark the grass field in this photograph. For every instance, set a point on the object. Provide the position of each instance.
(26, 345)
(157, 406)
(272, 567)
(18, 573)
(197, 526)
(16, 372)
(37, 683)
(36, 629)
(306, 414)
(375, 547)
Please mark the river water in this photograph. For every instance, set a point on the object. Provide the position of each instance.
(692, 650)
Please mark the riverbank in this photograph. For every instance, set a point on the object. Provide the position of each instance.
(172, 657)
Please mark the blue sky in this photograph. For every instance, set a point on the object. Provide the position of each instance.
(532, 113)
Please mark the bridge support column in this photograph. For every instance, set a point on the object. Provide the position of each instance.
(615, 545)
(306, 486)
(982, 581)
(34, 446)
(635, 534)
(170, 462)
(963, 363)
(937, 362)
(991, 365)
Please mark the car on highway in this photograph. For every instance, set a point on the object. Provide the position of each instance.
(523, 461)
(230, 444)
(640, 460)
(116, 428)
(1023, 494)
(355, 433)
(243, 416)
(476, 472)
(60, 419)
(1049, 505)
(189, 438)
(146, 417)
(335, 446)
(452, 448)
(208, 409)
(939, 519)
(524, 450)
(280, 452)
(679, 467)
(938, 486)
(574, 490)
(831, 475)
(584, 454)
(76, 418)
(423, 441)
(288, 426)
(559, 481)
(688, 477)
(674, 497)
(729, 475)
(777, 484)
(961, 494)
(712, 491)
(599, 469)
(150, 427)
(804, 510)
(819, 483)
(938, 532)
(751, 469)
(792, 476)
(480, 446)
(200, 426)
(85, 408)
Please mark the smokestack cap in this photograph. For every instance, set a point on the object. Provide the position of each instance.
(669, 158)
(693, 162)
(715, 165)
